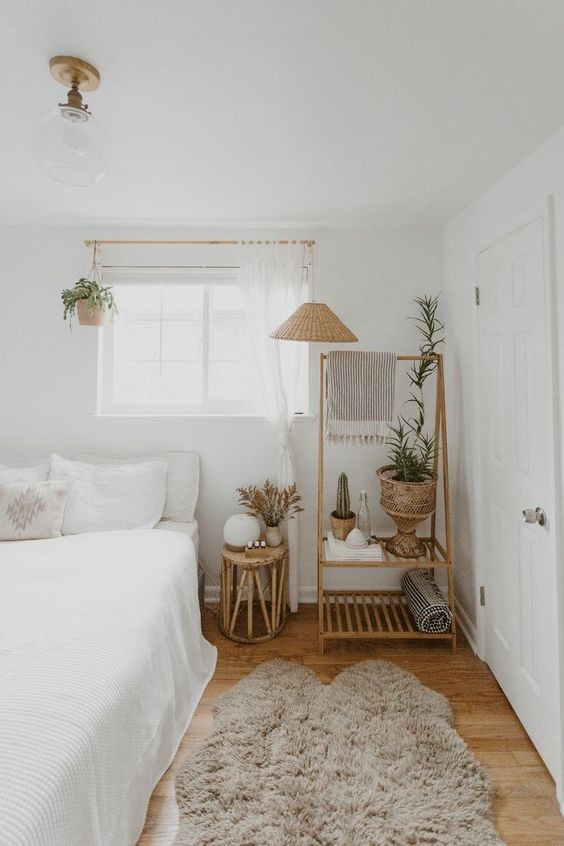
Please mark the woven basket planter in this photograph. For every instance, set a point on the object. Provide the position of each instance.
(408, 504)
(341, 528)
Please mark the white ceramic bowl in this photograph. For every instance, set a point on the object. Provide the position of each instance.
(240, 529)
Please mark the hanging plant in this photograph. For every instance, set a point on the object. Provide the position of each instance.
(91, 301)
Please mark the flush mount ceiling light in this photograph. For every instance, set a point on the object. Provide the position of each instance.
(71, 146)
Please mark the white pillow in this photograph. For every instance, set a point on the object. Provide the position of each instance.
(32, 510)
(107, 497)
(182, 480)
(24, 471)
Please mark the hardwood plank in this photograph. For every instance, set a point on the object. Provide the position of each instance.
(525, 810)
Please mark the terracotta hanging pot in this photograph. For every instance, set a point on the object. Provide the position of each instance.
(99, 317)
(408, 504)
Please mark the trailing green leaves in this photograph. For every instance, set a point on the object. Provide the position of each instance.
(98, 297)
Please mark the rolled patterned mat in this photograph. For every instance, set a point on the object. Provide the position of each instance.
(428, 606)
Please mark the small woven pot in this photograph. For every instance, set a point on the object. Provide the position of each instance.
(408, 504)
(341, 528)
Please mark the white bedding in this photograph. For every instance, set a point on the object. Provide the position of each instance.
(102, 664)
(189, 529)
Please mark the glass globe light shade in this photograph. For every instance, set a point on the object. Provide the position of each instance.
(71, 147)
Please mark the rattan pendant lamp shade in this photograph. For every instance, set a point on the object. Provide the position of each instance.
(314, 322)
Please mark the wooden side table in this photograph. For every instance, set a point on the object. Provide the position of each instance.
(241, 577)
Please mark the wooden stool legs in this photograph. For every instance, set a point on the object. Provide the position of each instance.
(243, 582)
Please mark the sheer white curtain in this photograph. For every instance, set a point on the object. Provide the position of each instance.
(271, 282)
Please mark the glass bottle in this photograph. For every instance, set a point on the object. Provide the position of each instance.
(363, 519)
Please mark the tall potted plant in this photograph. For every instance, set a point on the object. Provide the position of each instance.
(92, 302)
(271, 504)
(408, 485)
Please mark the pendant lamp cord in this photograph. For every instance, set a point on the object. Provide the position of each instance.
(310, 270)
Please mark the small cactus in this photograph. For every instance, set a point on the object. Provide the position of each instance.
(343, 509)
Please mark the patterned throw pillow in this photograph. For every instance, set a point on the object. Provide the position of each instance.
(32, 510)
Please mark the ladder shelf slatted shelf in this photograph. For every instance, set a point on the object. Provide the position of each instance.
(377, 614)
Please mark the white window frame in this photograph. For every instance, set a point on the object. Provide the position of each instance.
(247, 407)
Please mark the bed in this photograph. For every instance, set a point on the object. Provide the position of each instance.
(102, 664)
(189, 529)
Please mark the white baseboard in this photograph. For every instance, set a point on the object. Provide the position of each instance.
(212, 593)
(307, 595)
(467, 627)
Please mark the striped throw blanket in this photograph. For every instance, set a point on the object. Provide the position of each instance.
(360, 396)
(428, 606)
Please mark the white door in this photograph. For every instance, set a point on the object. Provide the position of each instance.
(517, 473)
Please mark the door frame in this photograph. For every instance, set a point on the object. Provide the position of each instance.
(554, 311)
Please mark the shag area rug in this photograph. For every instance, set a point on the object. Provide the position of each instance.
(369, 760)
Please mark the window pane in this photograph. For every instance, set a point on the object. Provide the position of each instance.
(182, 340)
(228, 324)
(228, 339)
(160, 344)
(138, 340)
(230, 380)
(181, 383)
(181, 302)
(226, 298)
(136, 384)
(139, 301)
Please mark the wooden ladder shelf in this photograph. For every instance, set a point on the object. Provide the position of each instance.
(354, 614)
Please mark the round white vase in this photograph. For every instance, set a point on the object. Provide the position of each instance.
(239, 530)
(273, 536)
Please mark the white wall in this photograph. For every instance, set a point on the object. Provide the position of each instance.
(539, 175)
(48, 374)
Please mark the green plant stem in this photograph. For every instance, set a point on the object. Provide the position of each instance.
(413, 452)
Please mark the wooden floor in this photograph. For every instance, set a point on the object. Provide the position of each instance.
(525, 811)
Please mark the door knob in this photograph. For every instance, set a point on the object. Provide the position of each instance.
(534, 515)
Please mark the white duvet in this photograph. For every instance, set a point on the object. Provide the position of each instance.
(102, 663)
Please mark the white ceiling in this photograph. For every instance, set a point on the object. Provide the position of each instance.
(324, 111)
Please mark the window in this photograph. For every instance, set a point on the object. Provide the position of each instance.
(180, 345)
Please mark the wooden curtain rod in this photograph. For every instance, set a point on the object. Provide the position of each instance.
(406, 357)
(90, 243)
